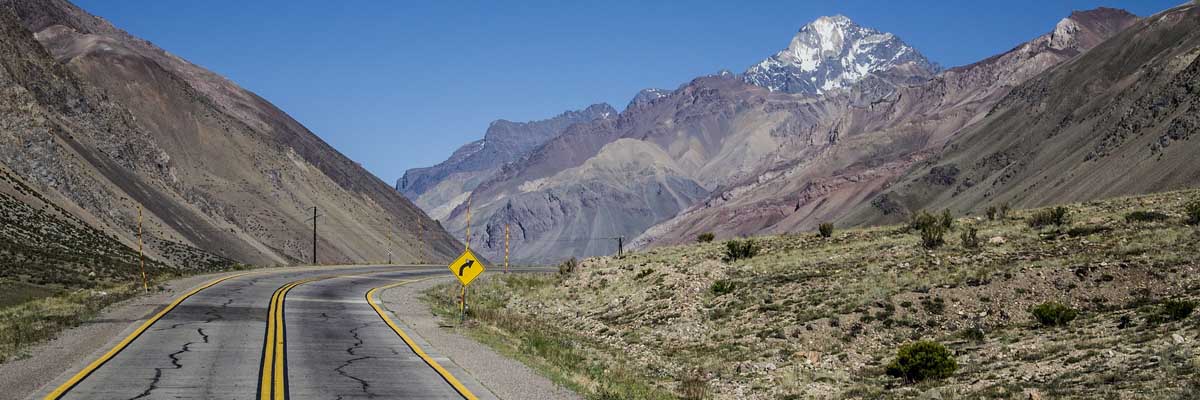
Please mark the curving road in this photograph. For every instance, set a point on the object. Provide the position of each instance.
(305, 334)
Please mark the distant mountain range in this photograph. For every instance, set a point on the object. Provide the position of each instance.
(99, 122)
(853, 126)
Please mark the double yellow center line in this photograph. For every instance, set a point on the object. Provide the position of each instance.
(272, 382)
(273, 370)
(273, 379)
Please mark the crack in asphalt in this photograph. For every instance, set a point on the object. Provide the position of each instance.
(364, 386)
(176, 357)
(175, 363)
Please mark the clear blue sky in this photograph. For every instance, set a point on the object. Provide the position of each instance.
(401, 84)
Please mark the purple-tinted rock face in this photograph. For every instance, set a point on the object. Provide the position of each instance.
(807, 136)
(504, 142)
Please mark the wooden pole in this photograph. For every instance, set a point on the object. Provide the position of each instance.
(313, 236)
(469, 221)
(141, 253)
(506, 248)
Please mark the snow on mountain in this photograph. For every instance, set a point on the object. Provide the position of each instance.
(646, 96)
(833, 53)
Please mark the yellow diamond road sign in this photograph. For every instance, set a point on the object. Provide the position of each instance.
(466, 267)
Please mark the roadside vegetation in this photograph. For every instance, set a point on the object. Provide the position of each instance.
(57, 272)
(1078, 302)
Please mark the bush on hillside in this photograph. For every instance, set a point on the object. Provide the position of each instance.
(1177, 310)
(826, 230)
(922, 360)
(991, 213)
(740, 249)
(721, 287)
(1146, 216)
(970, 238)
(1192, 212)
(705, 237)
(1057, 216)
(1053, 314)
(933, 236)
(1004, 211)
(568, 267)
(947, 220)
(921, 219)
(1087, 230)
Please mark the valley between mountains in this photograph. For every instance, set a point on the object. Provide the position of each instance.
(843, 218)
(847, 125)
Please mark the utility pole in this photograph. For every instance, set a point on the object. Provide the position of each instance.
(314, 239)
(141, 253)
(469, 220)
(506, 248)
(421, 243)
(463, 293)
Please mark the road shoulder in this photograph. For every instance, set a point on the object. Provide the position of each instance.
(502, 376)
(55, 360)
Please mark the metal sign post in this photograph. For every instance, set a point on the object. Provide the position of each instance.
(141, 252)
(466, 268)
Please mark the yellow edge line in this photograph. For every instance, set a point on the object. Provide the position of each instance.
(458, 386)
(70, 383)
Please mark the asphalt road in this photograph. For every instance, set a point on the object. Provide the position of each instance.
(292, 334)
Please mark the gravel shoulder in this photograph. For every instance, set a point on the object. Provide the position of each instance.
(72, 349)
(502, 376)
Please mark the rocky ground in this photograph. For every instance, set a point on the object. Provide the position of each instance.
(813, 317)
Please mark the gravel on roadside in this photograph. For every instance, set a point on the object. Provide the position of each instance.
(74, 348)
(504, 377)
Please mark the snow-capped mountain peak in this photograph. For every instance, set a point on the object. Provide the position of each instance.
(833, 52)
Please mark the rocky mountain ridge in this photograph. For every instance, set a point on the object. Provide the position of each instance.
(441, 187)
(102, 122)
(1117, 120)
(833, 53)
(883, 141)
(770, 161)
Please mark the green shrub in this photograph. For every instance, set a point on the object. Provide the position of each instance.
(740, 249)
(1177, 310)
(705, 237)
(991, 213)
(947, 220)
(1146, 216)
(932, 236)
(970, 238)
(568, 267)
(1057, 216)
(826, 230)
(1004, 211)
(722, 286)
(974, 334)
(922, 360)
(1053, 314)
(1087, 230)
(921, 219)
(1192, 211)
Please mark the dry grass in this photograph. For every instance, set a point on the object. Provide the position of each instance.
(810, 317)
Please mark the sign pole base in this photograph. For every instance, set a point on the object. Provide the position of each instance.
(463, 302)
